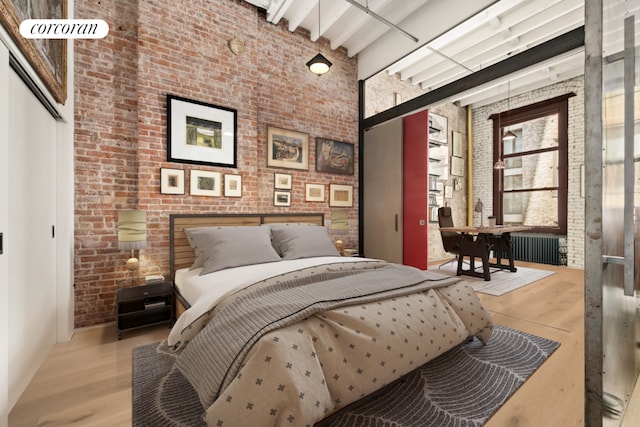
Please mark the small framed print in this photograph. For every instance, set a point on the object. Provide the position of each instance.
(457, 166)
(205, 183)
(314, 193)
(340, 195)
(438, 129)
(287, 149)
(457, 144)
(282, 181)
(281, 198)
(232, 185)
(171, 181)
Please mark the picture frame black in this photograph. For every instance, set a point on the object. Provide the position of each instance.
(201, 133)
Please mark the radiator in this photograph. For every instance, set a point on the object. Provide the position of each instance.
(543, 249)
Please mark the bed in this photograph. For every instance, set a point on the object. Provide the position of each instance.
(278, 328)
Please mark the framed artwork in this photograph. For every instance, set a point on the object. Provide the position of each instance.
(201, 133)
(287, 149)
(314, 193)
(438, 129)
(457, 144)
(281, 198)
(282, 181)
(457, 166)
(340, 195)
(232, 185)
(205, 183)
(334, 156)
(48, 57)
(171, 181)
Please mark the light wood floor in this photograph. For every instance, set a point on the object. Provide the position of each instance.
(87, 381)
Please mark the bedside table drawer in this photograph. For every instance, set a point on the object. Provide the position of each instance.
(144, 291)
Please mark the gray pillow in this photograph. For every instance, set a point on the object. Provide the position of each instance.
(302, 241)
(218, 248)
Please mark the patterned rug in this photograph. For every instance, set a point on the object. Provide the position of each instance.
(502, 281)
(462, 387)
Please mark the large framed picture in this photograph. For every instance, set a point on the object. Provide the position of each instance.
(171, 181)
(205, 183)
(201, 133)
(334, 156)
(340, 195)
(287, 149)
(47, 56)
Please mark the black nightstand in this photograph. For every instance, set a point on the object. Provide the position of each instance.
(141, 306)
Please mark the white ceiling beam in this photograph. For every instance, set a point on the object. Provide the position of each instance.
(296, 18)
(433, 19)
(495, 49)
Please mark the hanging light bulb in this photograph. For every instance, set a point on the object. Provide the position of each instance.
(319, 64)
(508, 135)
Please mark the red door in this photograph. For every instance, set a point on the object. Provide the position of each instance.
(415, 189)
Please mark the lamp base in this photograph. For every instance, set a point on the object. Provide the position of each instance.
(133, 263)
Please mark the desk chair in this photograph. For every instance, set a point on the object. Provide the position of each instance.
(450, 240)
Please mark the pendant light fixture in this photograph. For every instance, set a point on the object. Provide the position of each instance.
(508, 136)
(319, 64)
(499, 164)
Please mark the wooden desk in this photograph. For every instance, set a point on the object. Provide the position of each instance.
(477, 242)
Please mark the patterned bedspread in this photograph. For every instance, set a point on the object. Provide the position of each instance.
(295, 348)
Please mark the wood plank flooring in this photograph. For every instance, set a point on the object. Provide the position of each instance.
(87, 381)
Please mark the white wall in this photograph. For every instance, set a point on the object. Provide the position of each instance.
(61, 300)
(29, 238)
(483, 169)
(4, 222)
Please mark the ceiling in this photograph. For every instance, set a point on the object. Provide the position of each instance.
(455, 38)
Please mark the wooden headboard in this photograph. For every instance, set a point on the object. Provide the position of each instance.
(181, 253)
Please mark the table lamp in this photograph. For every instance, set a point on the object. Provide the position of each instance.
(132, 234)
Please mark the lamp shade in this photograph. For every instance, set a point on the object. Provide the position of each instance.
(132, 229)
(319, 64)
(509, 136)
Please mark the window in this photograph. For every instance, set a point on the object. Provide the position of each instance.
(532, 188)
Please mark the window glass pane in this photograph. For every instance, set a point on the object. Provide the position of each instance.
(532, 208)
(533, 135)
(534, 171)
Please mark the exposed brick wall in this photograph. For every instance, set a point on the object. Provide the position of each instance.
(154, 48)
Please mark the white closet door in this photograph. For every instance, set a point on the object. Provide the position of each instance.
(29, 243)
(4, 225)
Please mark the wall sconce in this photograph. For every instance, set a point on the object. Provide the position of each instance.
(319, 64)
(132, 235)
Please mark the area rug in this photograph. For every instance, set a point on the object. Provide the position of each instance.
(462, 387)
(502, 281)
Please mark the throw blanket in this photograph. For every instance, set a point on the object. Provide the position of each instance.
(235, 342)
